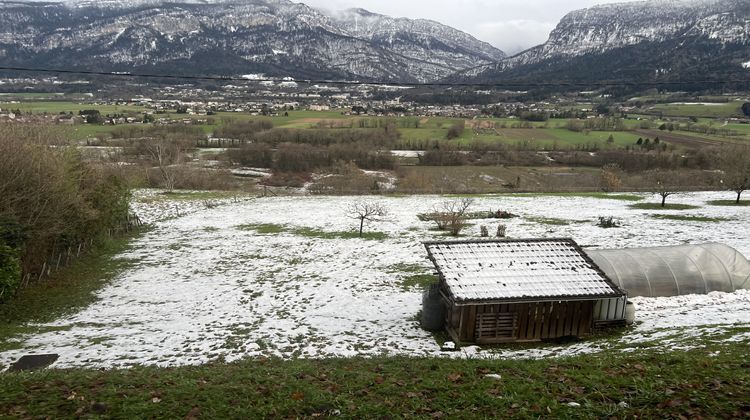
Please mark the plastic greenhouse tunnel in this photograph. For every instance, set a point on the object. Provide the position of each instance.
(675, 270)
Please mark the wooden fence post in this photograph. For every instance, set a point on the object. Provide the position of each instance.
(41, 273)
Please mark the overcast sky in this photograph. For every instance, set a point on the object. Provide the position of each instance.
(511, 25)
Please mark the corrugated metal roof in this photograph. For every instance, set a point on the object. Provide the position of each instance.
(519, 270)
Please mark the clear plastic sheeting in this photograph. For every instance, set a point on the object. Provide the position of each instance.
(675, 270)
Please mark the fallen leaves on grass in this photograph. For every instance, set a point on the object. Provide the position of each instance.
(455, 377)
(193, 414)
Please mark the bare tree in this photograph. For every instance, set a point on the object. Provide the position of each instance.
(735, 162)
(611, 180)
(366, 211)
(452, 215)
(664, 183)
(165, 154)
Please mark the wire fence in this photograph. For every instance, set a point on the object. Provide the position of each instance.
(62, 258)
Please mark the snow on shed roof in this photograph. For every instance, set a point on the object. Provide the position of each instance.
(514, 270)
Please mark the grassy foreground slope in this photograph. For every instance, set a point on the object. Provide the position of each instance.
(710, 382)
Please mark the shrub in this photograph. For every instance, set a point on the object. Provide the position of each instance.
(52, 198)
(286, 179)
(608, 222)
(243, 130)
(443, 157)
(252, 154)
(10, 271)
(450, 215)
(456, 130)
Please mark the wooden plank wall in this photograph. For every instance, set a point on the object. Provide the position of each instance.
(610, 309)
(523, 321)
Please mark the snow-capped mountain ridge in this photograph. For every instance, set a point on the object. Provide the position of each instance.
(636, 41)
(276, 37)
(607, 27)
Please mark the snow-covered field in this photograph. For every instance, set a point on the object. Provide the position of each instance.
(206, 285)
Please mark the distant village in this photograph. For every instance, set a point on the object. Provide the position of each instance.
(193, 104)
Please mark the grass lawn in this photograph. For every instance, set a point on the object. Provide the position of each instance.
(544, 137)
(667, 206)
(571, 138)
(68, 290)
(599, 195)
(687, 218)
(264, 228)
(728, 109)
(418, 281)
(708, 382)
(37, 96)
(84, 131)
(547, 134)
(270, 228)
(55, 107)
(730, 203)
(409, 134)
(549, 221)
(195, 196)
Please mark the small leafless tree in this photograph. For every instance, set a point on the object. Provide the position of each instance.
(664, 183)
(165, 154)
(366, 211)
(735, 162)
(453, 214)
(611, 180)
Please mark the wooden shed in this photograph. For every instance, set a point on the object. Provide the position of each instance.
(502, 291)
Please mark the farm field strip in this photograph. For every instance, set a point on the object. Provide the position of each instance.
(203, 286)
(549, 133)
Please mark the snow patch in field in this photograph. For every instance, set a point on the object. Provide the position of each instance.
(252, 172)
(207, 285)
(407, 153)
(698, 103)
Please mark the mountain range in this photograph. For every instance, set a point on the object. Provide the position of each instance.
(640, 42)
(230, 37)
(643, 41)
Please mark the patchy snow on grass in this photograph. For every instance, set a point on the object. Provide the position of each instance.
(407, 153)
(699, 103)
(252, 172)
(276, 277)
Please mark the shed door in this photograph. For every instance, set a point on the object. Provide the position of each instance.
(496, 327)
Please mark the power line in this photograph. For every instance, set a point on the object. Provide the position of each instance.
(604, 83)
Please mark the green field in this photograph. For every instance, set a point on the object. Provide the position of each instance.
(717, 110)
(709, 381)
(549, 134)
(31, 95)
(49, 107)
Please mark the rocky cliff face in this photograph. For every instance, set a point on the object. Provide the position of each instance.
(419, 40)
(608, 27)
(666, 38)
(276, 37)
